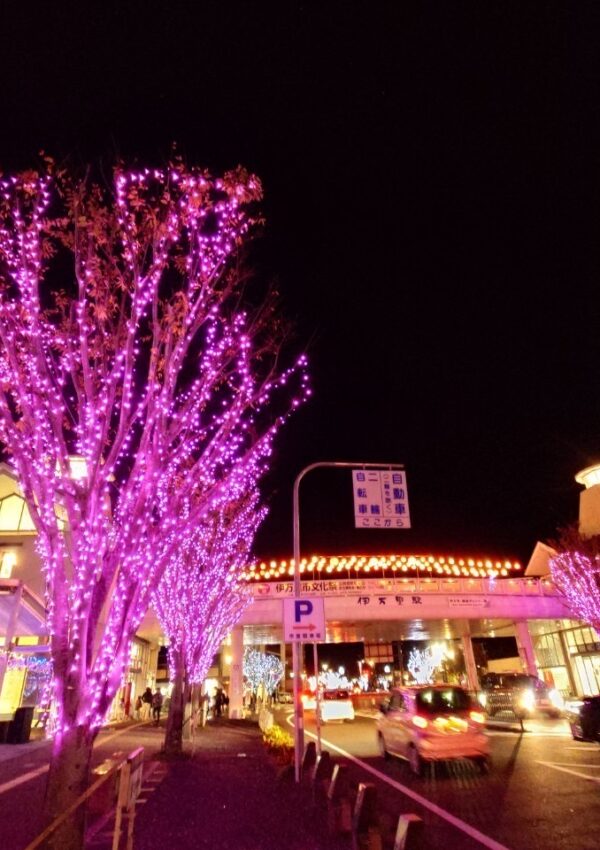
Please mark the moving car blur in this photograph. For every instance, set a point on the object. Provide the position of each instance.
(432, 723)
(519, 694)
(583, 716)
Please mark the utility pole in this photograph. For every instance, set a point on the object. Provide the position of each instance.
(297, 645)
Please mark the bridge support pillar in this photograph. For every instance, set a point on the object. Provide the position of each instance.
(236, 682)
(525, 646)
(470, 666)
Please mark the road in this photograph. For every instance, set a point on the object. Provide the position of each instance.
(542, 792)
(23, 770)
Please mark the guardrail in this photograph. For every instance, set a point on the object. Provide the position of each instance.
(129, 772)
(350, 587)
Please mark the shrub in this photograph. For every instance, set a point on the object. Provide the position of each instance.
(279, 743)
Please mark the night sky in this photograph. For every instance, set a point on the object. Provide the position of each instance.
(432, 199)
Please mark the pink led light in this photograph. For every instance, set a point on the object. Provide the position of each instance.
(201, 597)
(576, 573)
(145, 366)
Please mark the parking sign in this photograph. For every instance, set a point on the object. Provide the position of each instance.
(303, 619)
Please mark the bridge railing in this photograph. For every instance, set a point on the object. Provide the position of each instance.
(350, 587)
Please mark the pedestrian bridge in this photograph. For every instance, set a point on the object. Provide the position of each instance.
(356, 609)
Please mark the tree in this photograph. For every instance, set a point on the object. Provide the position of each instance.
(200, 598)
(575, 570)
(262, 669)
(126, 339)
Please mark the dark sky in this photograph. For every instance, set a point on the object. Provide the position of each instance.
(432, 194)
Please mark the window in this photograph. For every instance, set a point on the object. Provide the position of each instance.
(440, 701)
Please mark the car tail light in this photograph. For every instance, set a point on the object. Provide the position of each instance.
(420, 722)
(477, 717)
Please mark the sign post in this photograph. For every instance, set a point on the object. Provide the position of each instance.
(389, 468)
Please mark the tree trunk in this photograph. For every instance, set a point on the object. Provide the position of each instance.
(68, 779)
(173, 745)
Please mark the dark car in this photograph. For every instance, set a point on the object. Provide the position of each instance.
(584, 718)
(519, 694)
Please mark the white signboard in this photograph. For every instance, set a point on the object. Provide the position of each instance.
(380, 498)
(303, 619)
(468, 602)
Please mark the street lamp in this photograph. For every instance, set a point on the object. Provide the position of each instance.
(296, 646)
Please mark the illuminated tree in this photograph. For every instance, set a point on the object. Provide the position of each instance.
(200, 598)
(422, 664)
(575, 570)
(262, 669)
(127, 340)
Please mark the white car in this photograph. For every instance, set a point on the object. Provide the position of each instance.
(286, 698)
(333, 705)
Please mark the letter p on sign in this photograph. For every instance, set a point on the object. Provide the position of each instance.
(304, 619)
(302, 608)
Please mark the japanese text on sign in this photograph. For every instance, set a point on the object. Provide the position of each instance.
(380, 498)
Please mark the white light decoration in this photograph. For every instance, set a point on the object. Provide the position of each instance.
(422, 663)
(262, 669)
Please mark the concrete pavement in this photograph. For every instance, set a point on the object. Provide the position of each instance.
(228, 794)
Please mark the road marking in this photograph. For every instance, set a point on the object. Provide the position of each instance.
(572, 772)
(422, 801)
(570, 764)
(25, 777)
(120, 732)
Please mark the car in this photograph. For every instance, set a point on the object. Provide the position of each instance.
(333, 705)
(519, 694)
(285, 697)
(428, 723)
(583, 716)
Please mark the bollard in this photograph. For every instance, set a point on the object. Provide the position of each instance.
(309, 758)
(321, 776)
(339, 807)
(365, 827)
(409, 834)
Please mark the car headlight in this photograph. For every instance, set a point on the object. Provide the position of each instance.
(527, 700)
(482, 698)
(556, 698)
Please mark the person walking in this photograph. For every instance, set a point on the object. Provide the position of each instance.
(157, 701)
(146, 704)
(139, 704)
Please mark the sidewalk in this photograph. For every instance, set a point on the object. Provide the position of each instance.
(228, 795)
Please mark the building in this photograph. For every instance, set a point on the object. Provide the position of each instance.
(25, 660)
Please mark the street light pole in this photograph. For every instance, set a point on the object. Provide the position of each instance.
(297, 645)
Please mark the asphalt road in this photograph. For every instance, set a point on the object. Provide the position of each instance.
(23, 771)
(542, 792)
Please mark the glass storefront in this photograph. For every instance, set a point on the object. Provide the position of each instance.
(568, 655)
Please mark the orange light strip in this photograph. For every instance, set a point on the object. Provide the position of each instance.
(329, 566)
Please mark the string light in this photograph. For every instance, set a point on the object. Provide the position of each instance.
(319, 566)
(262, 669)
(200, 597)
(576, 574)
(147, 368)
